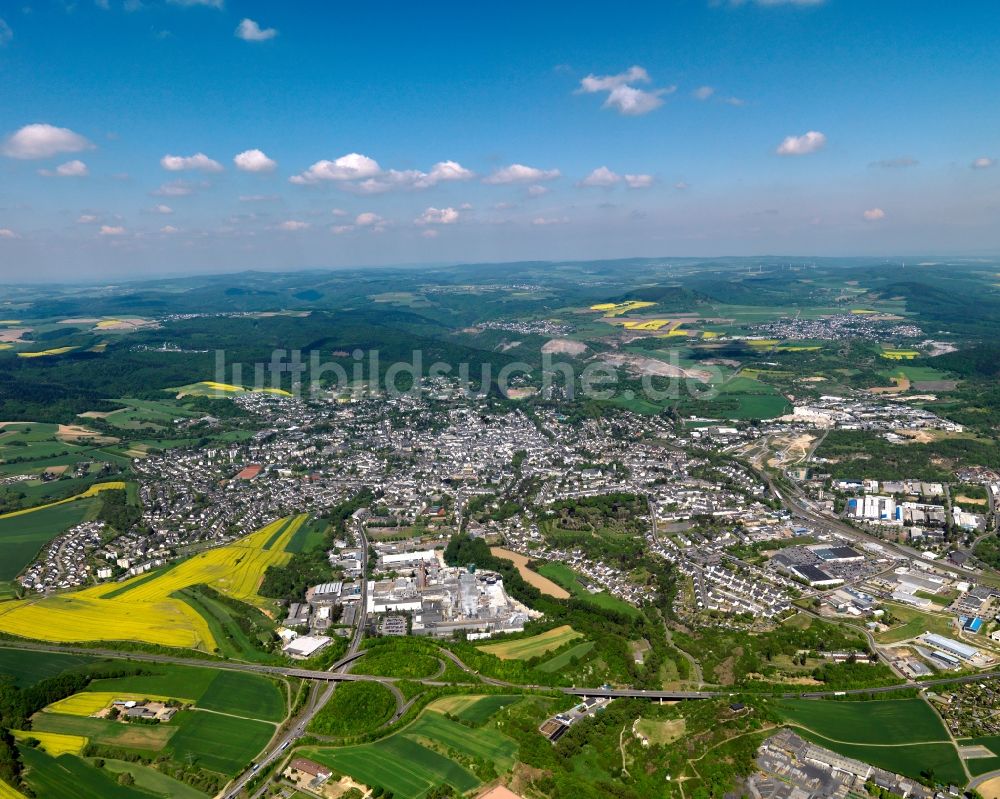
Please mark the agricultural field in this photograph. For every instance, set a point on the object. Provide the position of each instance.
(87, 703)
(27, 668)
(564, 659)
(892, 721)
(6, 792)
(433, 750)
(23, 536)
(211, 389)
(527, 648)
(231, 717)
(53, 742)
(901, 735)
(143, 608)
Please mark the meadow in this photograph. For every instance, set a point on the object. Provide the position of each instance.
(527, 648)
(144, 608)
(563, 575)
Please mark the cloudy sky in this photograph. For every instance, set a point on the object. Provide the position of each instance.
(148, 137)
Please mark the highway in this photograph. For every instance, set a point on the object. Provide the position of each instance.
(338, 672)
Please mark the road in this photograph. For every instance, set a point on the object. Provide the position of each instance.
(338, 672)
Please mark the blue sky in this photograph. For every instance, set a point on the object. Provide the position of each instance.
(714, 127)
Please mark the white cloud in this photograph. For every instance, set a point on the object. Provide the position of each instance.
(363, 175)
(352, 166)
(6, 34)
(622, 95)
(87, 219)
(162, 209)
(199, 161)
(448, 171)
(601, 177)
(112, 230)
(340, 229)
(169, 229)
(874, 214)
(71, 169)
(638, 181)
(519, 173)
(254, 161)
(537, 191)
(443, 171)
(802, 145)
(176, 188)
(209, 3)
(605, 83)
(735, 101)
(259, 198)
(983, 163)
(634, 102)
(368, 219)
(430, 233)
(7, 233)
(682, 186)
(338, 212)
(250, 31)
(40, 140)
(541, 221)
(703, 92)
(438, 216)
(293, 224)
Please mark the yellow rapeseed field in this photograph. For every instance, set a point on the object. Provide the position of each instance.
(142, 609)
(45, 353)
(619, 308)
(7, 792)
(649, 324)
(87, 703)
(55, 743)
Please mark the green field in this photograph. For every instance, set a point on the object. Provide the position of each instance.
(406, 764)
(981, 765)
(238, 693)
(901, 735)
(27, 667)
(563, 575)
(482, 710)
(914, 623)
(219, 743)
(533, 646)
(563, 659)
(70, 777)
(893, 721)
(21, 537)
